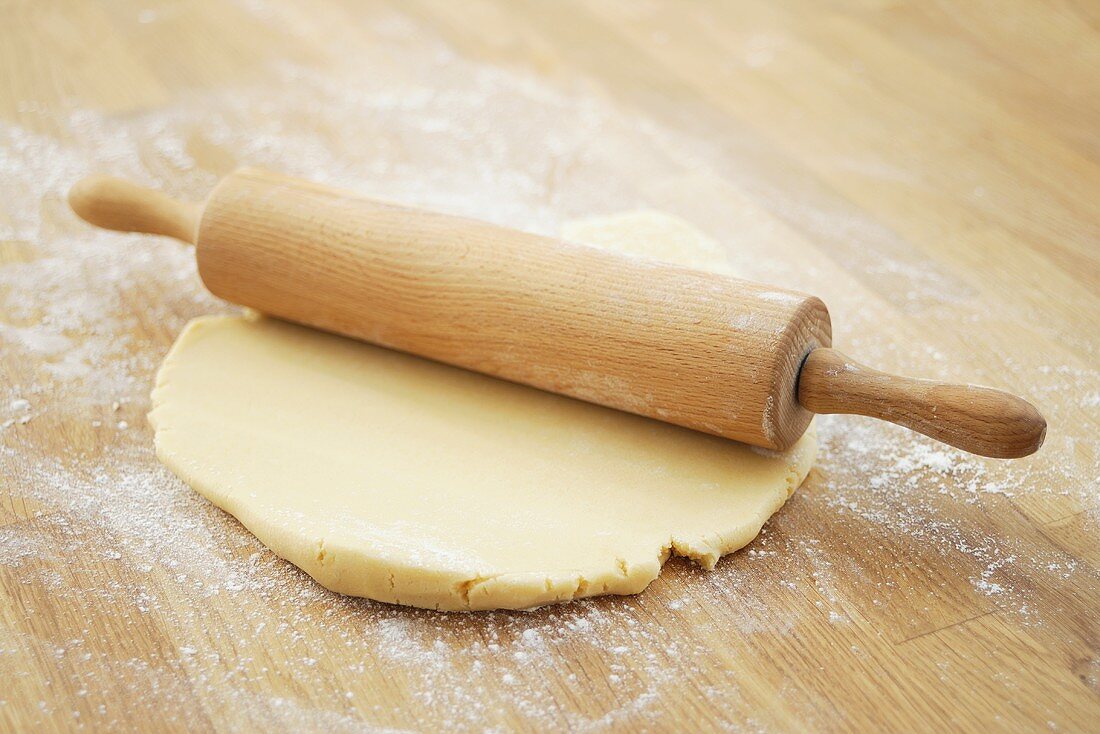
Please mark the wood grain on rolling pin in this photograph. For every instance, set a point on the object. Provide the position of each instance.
(693, 348)
(497, 284)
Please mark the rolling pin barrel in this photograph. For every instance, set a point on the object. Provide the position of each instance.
(720, 355)
(692, 348)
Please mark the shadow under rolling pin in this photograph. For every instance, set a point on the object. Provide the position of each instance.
(725, 356)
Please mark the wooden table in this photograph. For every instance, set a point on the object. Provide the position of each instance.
(931, 169)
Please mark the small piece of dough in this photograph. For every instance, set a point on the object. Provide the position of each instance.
(403, 480)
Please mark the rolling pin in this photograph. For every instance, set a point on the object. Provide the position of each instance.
(737, 359)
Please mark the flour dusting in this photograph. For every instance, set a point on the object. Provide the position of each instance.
(86, 316)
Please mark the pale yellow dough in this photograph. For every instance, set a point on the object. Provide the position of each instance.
(395, 478)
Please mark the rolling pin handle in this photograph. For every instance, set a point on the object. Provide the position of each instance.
(980, 420)
(113, 203)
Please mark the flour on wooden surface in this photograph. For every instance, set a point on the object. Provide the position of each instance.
(71, 297)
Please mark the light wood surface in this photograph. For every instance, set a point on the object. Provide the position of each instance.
(930, 170)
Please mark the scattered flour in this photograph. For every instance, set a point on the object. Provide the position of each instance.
(106, 307)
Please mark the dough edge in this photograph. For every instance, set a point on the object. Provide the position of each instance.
(361, 573)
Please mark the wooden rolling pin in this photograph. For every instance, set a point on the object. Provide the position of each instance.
(729, 357)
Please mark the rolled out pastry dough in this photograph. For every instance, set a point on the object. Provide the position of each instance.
(399, 479)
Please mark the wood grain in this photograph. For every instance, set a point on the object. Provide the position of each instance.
(978, 419)
(698, 349)
(929, 169)
(743, 361)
